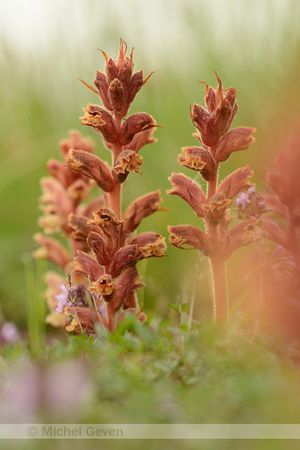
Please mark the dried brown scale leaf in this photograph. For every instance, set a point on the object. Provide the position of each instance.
(189, 191)
(87, 266)
(92, 167)
(187, 235)
(142, 207)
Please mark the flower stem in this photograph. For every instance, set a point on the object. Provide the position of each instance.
(218, 266)
(115, 195)
(115, 200)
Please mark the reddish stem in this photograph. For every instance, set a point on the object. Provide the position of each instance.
(218, 266)
(115, 195)
(220, 288)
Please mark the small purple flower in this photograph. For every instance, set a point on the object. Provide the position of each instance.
(242, 200)
(9, 332)
(62, 298)
(74, 296)
(249, 204)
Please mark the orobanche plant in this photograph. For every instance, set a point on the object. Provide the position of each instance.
(104, 247)
(217, 143)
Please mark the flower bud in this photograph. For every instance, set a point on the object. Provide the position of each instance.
(136, 82)
(134, 124)
(93, 167)
(214, 122)
(117, 95)
(102, 85)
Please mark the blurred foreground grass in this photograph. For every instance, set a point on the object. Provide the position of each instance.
(155, 373)
(41, 99)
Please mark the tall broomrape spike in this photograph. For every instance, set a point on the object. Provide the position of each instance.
(104, 251)
(217, 143)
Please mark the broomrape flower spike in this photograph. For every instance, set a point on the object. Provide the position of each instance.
(105, 247)
(217, 144)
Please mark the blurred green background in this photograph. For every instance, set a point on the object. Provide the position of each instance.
(253, 45)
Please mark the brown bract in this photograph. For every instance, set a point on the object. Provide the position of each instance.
(93, 167)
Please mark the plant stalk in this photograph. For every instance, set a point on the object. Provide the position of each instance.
(218, 264)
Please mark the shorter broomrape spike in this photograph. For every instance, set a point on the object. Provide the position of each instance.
(217, 144)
